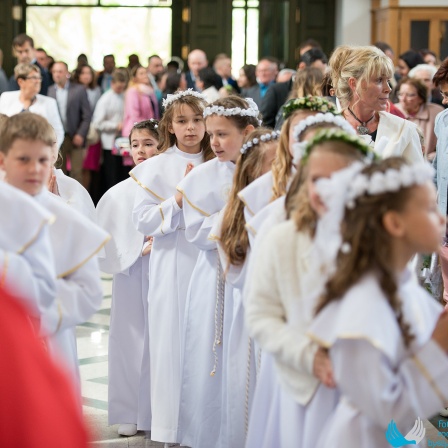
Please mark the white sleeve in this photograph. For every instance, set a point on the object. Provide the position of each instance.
(155, 219)
(100, 115)
(266, 315)
(413, 151)
(55, 120)
(383, 392)
(78, 296)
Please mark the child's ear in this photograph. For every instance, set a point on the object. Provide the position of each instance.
(394, 224)
(2, 159)
(170, 129)
(248, 129)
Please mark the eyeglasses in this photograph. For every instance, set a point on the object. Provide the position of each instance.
(407, 95)
(34, 78)
(444, 95)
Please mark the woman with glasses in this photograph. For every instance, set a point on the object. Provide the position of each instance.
(28, 98)
(413, 102)
(360, 77)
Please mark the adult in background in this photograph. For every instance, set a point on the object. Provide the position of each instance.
(209, 82)
(278, 93)
(308, 44)
(360, 78)
(407, 61)
(223, 67)
(140, 102)
(413, 102)
(23, 47)
(3, 77)
(155, 70)
(425, 73)
(441, 165)
(266, 73)
(197, 59)
(247, 77)
(105, 77)
(27, 98)
(44, 61)
(75, 111)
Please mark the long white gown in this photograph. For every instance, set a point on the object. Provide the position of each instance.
(379, 378)
(129, 398)
(173, 258)
(27, 258)
(76, 242)
(205, 192)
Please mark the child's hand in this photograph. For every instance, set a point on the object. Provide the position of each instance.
(190, 166)
(148, 247)
(440, 333)
(178, 196)
(322, 368)
(53, 185)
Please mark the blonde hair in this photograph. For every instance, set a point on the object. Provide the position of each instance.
(371, 245)
(307, 82)
(234, 239)
(25, 126)
(360, 62)
(167, 139)
(22, 71)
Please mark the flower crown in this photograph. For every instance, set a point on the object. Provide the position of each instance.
(252, 111)
(316, 103)
(175, 96)
(153, 121)
(264, 138)
(336, 120)
(328, 135)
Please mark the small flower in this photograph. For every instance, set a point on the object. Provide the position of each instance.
(346, 248)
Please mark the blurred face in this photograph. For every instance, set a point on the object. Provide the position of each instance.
(430, 59)
(109, 64)
(295, 120)
(155, 66)
(183, 82)
(24, 53)
(189, 128)
(196, 61)
(444, 91)
(425, 77)
(42, 58)
(143, 145)
(31, 85)
(27, 165)
(85, 77)
(409, 99)
(242, 80)
(403, 68)
(266, 72)
(269, 156)
(224, 68)
(321, 165)
(322, 66)
(60, 74)
(423, 225)
(375, 93)
(118, 87)
(141, 77)
(226, 139)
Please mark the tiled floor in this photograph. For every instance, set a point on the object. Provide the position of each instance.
(92, 350)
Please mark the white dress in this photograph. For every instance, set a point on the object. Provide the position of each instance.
(200, 403)
(75, 241)
(129, 398)
(379, 378)
(173, 258)
(75, 195)
(26, 258)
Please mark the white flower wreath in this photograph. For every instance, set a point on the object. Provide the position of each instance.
(175, 96)
(252, 111)
(264, 138)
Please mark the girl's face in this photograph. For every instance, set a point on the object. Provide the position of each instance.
(141, 77)
(27, 165)
(85, 77)
(375, 93)
(403, 68)
(409, 99)
(143, 145)
(226, 139)
(270, 150)
(423, 224)
(321, 165)
(189, 128)
(242, 79)
(295, 120)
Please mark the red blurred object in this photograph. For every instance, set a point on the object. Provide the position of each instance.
(38, 408)
(395, 111)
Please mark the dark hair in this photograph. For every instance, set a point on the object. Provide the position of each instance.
(41, 49)
(249, 71)
(210, 78)
(172, 82)
(150, 125)
(272, 60)
(22, 39)
(310, 43)
(77, 73)
(327, 85)
(313, 55)
(422, 91)
(383, 46)
(425, 51)
(109, 56)
(411, 58)
(441, 75)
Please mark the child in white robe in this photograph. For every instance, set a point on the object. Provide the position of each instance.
(26, 256)
(127, 258)
(278, 311)
(256, 158)
(158, 213)
(378, 324)
(205, 191)
(26, 157)
(274, 183)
